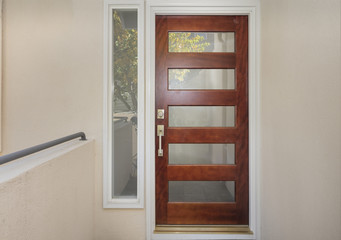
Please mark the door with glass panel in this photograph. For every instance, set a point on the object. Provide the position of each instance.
(201, 90)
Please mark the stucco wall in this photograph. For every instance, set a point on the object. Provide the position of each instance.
(301, 120)
(52, 70)
(52, 86)
(54, 200)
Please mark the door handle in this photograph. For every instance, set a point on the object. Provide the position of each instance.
(160, 133)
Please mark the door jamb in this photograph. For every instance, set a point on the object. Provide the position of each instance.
(250, 8)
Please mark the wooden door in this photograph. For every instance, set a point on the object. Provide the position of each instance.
(202, 87)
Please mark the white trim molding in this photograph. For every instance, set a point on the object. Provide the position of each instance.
(108, 201)
(199, 7)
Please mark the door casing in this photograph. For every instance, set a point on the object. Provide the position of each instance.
(201, 8)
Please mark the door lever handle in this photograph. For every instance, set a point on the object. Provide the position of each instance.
(160, 134)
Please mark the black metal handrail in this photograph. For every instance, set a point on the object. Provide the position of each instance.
(22, 153)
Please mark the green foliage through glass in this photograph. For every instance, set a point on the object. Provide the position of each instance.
(185, 42)
(125, 65)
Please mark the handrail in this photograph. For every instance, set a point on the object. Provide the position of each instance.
(22, 153)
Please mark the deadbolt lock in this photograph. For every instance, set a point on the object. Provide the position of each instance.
(160, 114)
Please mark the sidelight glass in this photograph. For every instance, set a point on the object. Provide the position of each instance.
(201, 153)
(193, 79)
(201, 191)
(125, 109)
(201, 41)
(201, 116)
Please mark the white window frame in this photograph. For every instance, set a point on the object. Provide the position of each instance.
(108, 201)
(204, 7)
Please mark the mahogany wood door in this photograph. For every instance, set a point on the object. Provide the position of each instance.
(205, 120)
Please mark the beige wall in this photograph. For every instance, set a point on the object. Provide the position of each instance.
(52, 86)
(52, 70)
(301, 120)
(54, 200)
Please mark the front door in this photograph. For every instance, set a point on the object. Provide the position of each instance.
(201, 162)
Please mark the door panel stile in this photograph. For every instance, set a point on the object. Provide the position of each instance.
(242, 185)
(160, 88)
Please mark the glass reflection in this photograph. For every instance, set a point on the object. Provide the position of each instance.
(201, 191)
(195, 79)
(201, 42)
(124, 129)
(201, 116)
(201, 153)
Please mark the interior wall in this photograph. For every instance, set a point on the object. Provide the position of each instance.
(52, 87)
(52, 70)
(301, 120)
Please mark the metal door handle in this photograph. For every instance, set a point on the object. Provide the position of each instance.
(160, 133)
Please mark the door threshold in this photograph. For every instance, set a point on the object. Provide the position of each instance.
(201, 229)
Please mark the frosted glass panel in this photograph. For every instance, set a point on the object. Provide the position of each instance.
(201, 154)
(201, 191)
(201, 79)
(124, 111)
(201, 116)
(201, 42)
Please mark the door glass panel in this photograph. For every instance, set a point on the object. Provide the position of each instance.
(201, 41)
(203, 154)
(201, 191)
(125, 109)
(201, 116)
(191, 79)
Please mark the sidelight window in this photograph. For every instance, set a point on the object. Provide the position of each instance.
(123, 163)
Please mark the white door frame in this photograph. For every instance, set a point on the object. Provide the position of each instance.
(212, 7)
